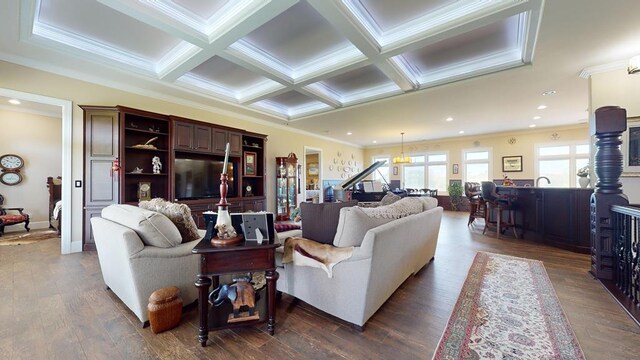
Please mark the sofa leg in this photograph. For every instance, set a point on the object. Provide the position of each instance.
(145, 324)
(358, 327)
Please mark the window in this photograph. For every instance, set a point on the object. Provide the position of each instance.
(413, 174)
(384, 170)
(437, 171)
(560, 163)
(476, 164)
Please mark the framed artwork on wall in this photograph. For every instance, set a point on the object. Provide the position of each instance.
(249, 163)
(631, 148)
(511, 163)
(395, 170)
(455, 169)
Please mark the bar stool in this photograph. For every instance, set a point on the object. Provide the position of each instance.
(476, 203)
(499, 203)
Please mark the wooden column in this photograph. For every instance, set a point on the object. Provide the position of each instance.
(610, 123)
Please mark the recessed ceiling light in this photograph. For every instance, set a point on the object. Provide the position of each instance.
(550, 92)
(349, 133)
(449, 118)
(537, 118)
(542, 107)
(532, 125)
(14, 101)
(461, 132)
(375, 141)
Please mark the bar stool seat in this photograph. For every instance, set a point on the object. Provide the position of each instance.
(500, 204)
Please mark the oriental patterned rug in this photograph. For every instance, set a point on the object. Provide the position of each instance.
(23, 238)
(507, 309)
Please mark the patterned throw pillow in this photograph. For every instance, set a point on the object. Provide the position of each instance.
(179, 214)
(389, 198)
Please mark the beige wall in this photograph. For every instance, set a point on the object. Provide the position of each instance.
(281, 140)
(499, 144)
(621, 89)
(38, 140)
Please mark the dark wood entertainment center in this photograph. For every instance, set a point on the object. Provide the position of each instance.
(115, 149)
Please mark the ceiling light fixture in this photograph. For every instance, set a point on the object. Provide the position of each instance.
(375, 141)
(542, 107)
(461, 132)
(449, 118)
(550, 92)
(634, 65)
(349, 133)
(14, 102)
(532, 125)
(536, 118)
(402, 159)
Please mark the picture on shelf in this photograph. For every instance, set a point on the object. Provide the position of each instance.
(313, 169)
(249, 163)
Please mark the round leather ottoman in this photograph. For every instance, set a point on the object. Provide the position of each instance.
(165, 309)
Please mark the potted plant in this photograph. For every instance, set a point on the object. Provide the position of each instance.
(455, 195)
(583, 176)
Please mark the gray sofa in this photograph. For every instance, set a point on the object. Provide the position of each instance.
(386, 253)
(141, 251)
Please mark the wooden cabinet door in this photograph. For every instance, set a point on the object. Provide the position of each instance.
(102, 148)
(183, 136)
(202, 139)
(219, 141)
(235, 144)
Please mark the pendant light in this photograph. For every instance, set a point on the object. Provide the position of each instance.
(402, 159)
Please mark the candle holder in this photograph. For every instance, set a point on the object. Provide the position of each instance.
(226, 235)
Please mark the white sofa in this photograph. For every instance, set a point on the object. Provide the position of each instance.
(384, 256)
(140, 251)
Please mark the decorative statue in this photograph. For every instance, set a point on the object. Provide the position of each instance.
(239, 293)
(157, 165)
(225, 231)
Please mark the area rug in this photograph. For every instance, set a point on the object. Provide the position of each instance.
(507, 309)
(23, 238)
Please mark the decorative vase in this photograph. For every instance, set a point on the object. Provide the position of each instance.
(583, 181)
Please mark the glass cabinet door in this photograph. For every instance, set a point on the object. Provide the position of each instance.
(286, 182)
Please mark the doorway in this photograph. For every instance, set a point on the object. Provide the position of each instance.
(65, 107)
(312, 175)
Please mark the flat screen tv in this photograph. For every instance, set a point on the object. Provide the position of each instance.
(200, 179)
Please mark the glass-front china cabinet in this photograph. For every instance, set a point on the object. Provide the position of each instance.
(286, 183)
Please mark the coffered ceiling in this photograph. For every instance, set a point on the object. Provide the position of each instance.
(309, 64)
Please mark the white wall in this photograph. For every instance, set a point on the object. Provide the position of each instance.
(621, 89)
(38, 140)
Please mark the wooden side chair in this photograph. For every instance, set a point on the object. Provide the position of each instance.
(7, 219)
(477, 205)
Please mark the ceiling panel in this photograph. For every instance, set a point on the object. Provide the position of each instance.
(389, 15)
(491, 39)
(204, 9)
(360, 83)
(229, 75)
(298, 36)
(96, 22)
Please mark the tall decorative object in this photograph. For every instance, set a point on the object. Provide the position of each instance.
(156, 165)
(226, 233)
(610, 123)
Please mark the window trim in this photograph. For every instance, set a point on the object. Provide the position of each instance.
(572, 156)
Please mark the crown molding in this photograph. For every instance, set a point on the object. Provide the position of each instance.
(586, 73)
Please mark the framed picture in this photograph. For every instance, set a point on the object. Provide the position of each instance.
(250, 163)
(511, 163)
(631, 148)
(455, 169)
(395, 170)
(313, 169)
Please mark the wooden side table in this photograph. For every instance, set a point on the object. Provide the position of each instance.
(247, 256)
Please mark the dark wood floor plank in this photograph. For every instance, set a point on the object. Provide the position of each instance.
(54, 306)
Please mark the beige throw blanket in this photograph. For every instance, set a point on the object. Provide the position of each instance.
(305, 252)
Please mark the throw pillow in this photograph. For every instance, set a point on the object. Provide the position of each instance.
(179, 214)
(320, 221)
(152, 227)
(353, 225)
(389, 198)
(401, 208)
(428, 202)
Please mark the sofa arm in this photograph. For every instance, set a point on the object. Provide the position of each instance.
(180, 250)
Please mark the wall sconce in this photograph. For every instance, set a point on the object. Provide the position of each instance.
(634, 65)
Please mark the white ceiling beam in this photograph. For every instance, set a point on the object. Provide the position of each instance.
(334, 103)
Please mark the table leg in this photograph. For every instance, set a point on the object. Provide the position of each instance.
(271, 276)
(203, 283)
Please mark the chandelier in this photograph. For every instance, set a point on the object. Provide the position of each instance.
(634, 65)
(402, 159)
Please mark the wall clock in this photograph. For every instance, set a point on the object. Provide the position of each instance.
(144, 190)
(11, 162)
(10, 178)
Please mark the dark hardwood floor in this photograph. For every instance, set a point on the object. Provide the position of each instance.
(56, 307)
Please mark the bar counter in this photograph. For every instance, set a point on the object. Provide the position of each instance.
(558, 217)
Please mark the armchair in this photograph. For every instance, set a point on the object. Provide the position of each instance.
(140, 251)
(7, 219)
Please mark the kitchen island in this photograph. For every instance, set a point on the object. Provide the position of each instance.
(554, 216)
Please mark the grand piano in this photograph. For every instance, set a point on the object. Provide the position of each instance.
(353, 189)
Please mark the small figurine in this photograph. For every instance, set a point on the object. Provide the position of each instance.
(137, 170)
(240, 293)
(157, 165)
(507, 182)
(225, 232)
